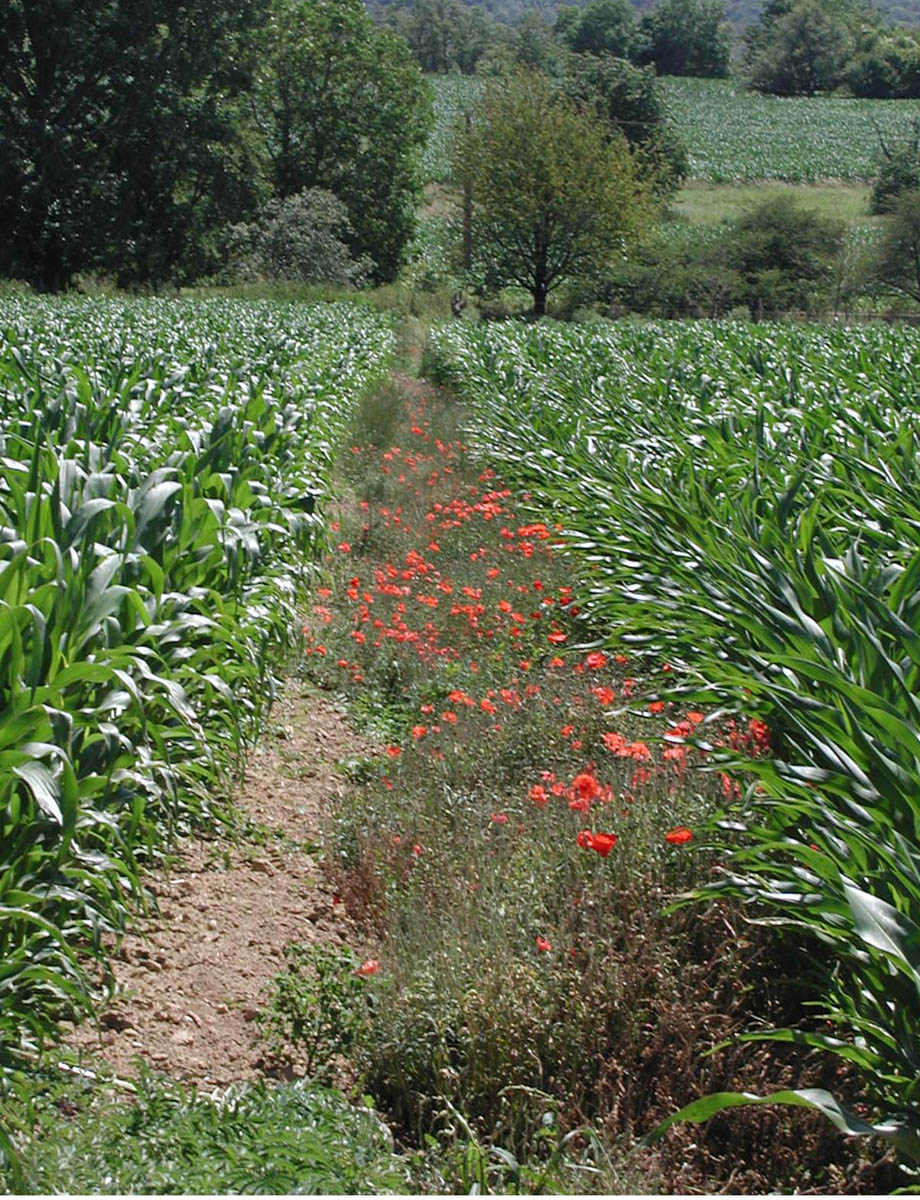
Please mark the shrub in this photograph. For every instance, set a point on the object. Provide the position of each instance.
(783, 253)
(301, 239)
(899, 172)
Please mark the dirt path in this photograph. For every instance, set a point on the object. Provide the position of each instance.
(190, 982)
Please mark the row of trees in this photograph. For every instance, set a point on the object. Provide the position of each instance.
(676, 37)
(135, 134)
(803, 47)
(795, 48)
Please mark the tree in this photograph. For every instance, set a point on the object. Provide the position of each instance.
(443, 35)
(631, 100)
(302, 239)
(897, 263)
(886, 65)
(555, 191)
(343, 107)
(687, 37)
(899, 172)
(119, 148)
(601, 27)
(800, 47)
(782, 252)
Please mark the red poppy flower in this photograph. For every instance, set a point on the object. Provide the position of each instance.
(369, 967)
(585, 784)
(557, 637)
(394, 751)
(679, 836)
(499, 818)
(602, 843)
(539, 795)
(595, 660)
(543, 944)
(616, 743)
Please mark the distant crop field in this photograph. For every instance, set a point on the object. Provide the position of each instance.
(452, 94)
(734, 135)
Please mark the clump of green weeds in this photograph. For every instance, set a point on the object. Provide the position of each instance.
(319, 1009)
(168, 1139)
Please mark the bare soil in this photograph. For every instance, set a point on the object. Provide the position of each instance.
(190, 980)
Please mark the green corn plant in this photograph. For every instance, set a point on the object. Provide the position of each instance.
(742, 504)
(162, 467)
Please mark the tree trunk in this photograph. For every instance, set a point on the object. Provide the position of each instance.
(540, 270)
(539, 298)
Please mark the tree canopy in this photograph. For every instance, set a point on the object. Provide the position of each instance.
(802, 47)
(342, 106)
(687, 37)
(135, 133)
(555, 190)
(601, 27)
(119, 137)
(630, 99)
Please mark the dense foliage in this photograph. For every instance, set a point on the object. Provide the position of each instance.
(343, 108)
(740, 13)
(688, 37)
(121, 143)
(801, 47)
(777, 257)
(131, 138)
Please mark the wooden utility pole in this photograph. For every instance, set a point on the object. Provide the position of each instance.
(467, 210)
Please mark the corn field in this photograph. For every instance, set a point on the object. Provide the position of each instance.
(732, 134)
(162, 472)
(741, 502)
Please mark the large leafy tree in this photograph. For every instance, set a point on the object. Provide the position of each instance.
(601, 27)
(687, 37)
(800, 47)
(119, 141)
(555, 190)
(343, 106)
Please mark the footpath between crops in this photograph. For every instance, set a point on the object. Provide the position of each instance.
(477, 812)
